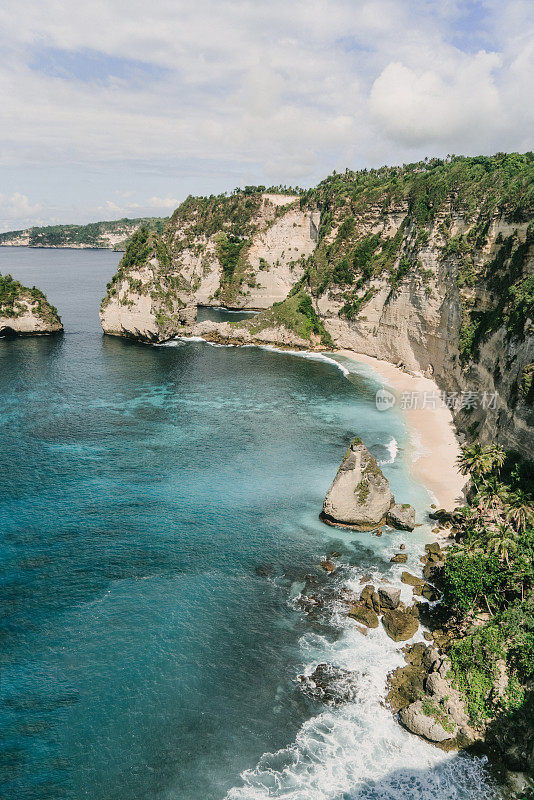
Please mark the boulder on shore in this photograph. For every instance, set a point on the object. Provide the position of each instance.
(412, 580)
(427, 591)
(401, 516)
(359, 496)
(364, 615)
(429, 725)
(400, 625)
(389, 597)
(370, 598)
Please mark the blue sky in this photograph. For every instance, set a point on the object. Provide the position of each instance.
(123, 108)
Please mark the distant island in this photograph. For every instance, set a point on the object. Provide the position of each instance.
(25, 311)
(113, 235)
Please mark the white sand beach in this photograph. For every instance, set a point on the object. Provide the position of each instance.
(433, 442)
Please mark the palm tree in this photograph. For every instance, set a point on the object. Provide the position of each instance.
(479, 460)
(470, 459)
(520, 511)
(497, 455)
(492, 496)
(502, 542)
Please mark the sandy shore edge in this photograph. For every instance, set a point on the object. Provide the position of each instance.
(433, 443)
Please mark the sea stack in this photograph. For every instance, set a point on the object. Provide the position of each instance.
(359, 496)
(25, 311)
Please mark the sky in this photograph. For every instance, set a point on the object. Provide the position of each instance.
(115, 108)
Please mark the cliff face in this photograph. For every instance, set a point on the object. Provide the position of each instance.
(435, 323)
(243, 251)
(24, 311)
(429, 265)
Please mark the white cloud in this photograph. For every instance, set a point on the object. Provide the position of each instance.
(432, 108)
(259, 89)
(18, 209)
(150, 207)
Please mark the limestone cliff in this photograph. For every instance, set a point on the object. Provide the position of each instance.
(25, 311)
(440, 281)
(429, 265)
(423, 324)
(243, 251)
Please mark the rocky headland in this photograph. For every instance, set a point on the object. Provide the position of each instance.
(469, 685)
(427, 266)
(25, 311)
(114, 235)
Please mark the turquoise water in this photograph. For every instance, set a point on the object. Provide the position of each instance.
(159, 509)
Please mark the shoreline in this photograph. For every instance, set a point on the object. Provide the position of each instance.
(432, 457)
(433, 444)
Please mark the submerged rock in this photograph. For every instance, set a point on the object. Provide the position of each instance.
(402, 517)
(330, 684)
(263, 570)
(359, 496)
(328, 566)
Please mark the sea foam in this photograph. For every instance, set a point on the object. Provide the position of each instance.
(300, 353)
(393, 449)
(359, 751)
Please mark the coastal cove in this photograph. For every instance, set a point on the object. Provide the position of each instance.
(160, 516)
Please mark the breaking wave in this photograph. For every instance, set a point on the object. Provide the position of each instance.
(359, 751)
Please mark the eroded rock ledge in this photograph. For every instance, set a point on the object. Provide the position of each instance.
(427, 702)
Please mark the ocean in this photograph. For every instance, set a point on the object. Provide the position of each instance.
(158, 520)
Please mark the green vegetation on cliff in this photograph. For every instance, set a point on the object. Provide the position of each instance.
(138, 250)
(94, 234)
(416, 227)
(488, 590)
(460, 184)
(296, 313)
(15, 298)
(205, 216)
(350, 256)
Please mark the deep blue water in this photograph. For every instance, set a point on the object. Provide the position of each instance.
(141, 487)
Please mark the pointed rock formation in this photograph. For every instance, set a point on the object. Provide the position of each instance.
(359, 496)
